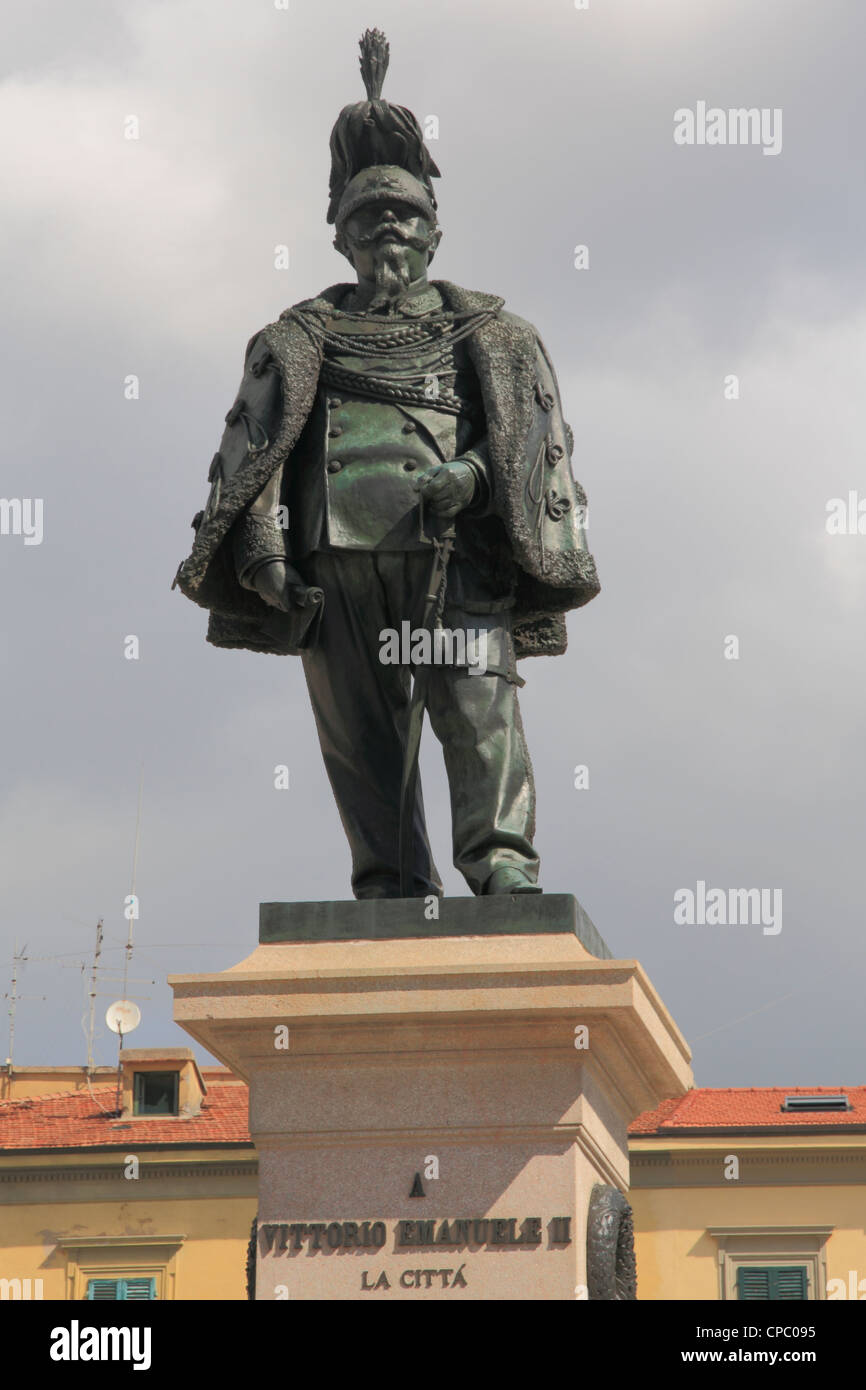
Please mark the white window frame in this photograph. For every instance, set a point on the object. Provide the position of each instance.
(772, 1245)
(121, 1257)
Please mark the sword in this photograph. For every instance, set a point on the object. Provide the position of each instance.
(434, 602)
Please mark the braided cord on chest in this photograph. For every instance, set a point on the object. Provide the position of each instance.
(387, 389)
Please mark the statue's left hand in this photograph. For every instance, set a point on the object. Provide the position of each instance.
(447, 488)
(281, 586)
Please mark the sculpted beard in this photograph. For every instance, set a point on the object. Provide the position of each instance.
(390, 266)
(391, 269)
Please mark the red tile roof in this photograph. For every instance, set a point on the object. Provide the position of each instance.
(79, 1120)
(709, 1108)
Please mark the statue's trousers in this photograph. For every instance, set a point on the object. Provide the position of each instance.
(361, 698)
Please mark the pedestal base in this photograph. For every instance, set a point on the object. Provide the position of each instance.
(432, 1112)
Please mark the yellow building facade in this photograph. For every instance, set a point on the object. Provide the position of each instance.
(735, 1197)
(100, 1201)
(143, 1186)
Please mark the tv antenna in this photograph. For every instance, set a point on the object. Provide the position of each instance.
(93, 993)
(13, 996)
(92, 1020)
(133, 911)
(123, 1016)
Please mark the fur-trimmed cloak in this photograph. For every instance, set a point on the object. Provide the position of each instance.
(538, 510)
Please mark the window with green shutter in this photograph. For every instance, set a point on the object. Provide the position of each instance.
(770, 1282)
(130, 1290)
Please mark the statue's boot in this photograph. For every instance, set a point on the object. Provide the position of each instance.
(509, 880)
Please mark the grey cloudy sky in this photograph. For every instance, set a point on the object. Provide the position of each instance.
(707, 516)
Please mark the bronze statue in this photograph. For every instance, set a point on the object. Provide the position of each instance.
(392, 497)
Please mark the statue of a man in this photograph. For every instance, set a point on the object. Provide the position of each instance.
(396, 470)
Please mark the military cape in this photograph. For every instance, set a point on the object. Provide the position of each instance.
(537, 511)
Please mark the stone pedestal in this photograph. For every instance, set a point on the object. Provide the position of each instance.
(490, 1060)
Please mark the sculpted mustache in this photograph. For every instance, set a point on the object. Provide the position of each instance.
(418, 243)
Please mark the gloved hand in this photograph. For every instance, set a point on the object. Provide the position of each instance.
(448, 488)
(281, 586)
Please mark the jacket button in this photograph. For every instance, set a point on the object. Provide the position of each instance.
(335, 402)
(409, 466)
(335, 431)
(409, 427)
(334, 465)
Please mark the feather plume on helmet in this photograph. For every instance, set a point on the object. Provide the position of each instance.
(378, 150)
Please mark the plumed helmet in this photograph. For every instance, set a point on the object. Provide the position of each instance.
(372, 134)
(384, 183)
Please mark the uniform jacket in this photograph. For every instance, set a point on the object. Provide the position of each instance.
(349, 482)
(532, 532)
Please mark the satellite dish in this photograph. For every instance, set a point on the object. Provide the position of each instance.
(123, 1016)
